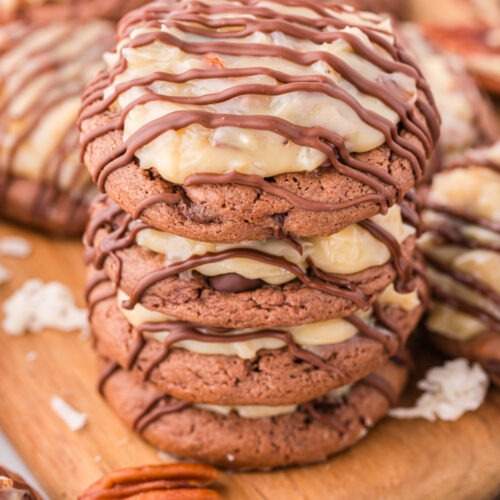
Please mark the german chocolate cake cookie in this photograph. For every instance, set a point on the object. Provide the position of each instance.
(43, 69)
(253, 283)
(462, 249)
(254, 436)
(240, 121)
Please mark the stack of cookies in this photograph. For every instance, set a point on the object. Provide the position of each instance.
(252, 266)
(462, 249)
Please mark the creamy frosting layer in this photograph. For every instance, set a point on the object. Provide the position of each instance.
(309, 336)
(43, 71)
(187, 40)
(474, 190)
(259, 411)
(349, 251)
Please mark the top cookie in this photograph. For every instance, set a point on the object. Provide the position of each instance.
(243, 120)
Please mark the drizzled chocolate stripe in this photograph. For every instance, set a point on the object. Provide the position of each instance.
(474, 311)
(191, 18)
(465, 279)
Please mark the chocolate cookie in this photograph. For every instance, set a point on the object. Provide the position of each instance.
(462, 249)
(294, 435)
(307, 294)
(248, 366)
(255, 139)
(43, 69)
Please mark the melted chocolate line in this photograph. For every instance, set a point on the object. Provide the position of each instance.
(271, 188)
(148, 202)
(464, 216)
(485, 317)
(464, 278)
(382, 385)
(405, 282)
(370, 332)
(451, 234)
(111, 368)
(158, 410)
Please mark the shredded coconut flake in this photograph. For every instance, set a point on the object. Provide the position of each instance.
(14, 246)
(31, 356)
(165, 457)
(72, 418)
(5, 275)
(450, 391)
(36, 306)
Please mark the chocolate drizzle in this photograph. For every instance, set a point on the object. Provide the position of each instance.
(222, 31)
(59, 86)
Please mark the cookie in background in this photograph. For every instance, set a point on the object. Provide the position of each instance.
(43, 70)
(467, 115)
(470, 29)
(462, 248)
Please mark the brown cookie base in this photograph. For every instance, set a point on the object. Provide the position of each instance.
(484, 349)
(241, 443)
(232, 212)
(273, 377)
(196, 300)
(42, 207)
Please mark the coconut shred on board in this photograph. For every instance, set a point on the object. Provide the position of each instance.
(36, 306)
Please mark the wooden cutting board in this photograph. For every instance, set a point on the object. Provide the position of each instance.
(398, 460)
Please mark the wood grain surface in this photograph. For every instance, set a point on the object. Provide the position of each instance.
(398, 460)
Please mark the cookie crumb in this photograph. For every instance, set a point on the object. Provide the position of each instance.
(36, 306)
(449, 391)
(31, 356)
(15, 246)
(5, 275)
(74, 419)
